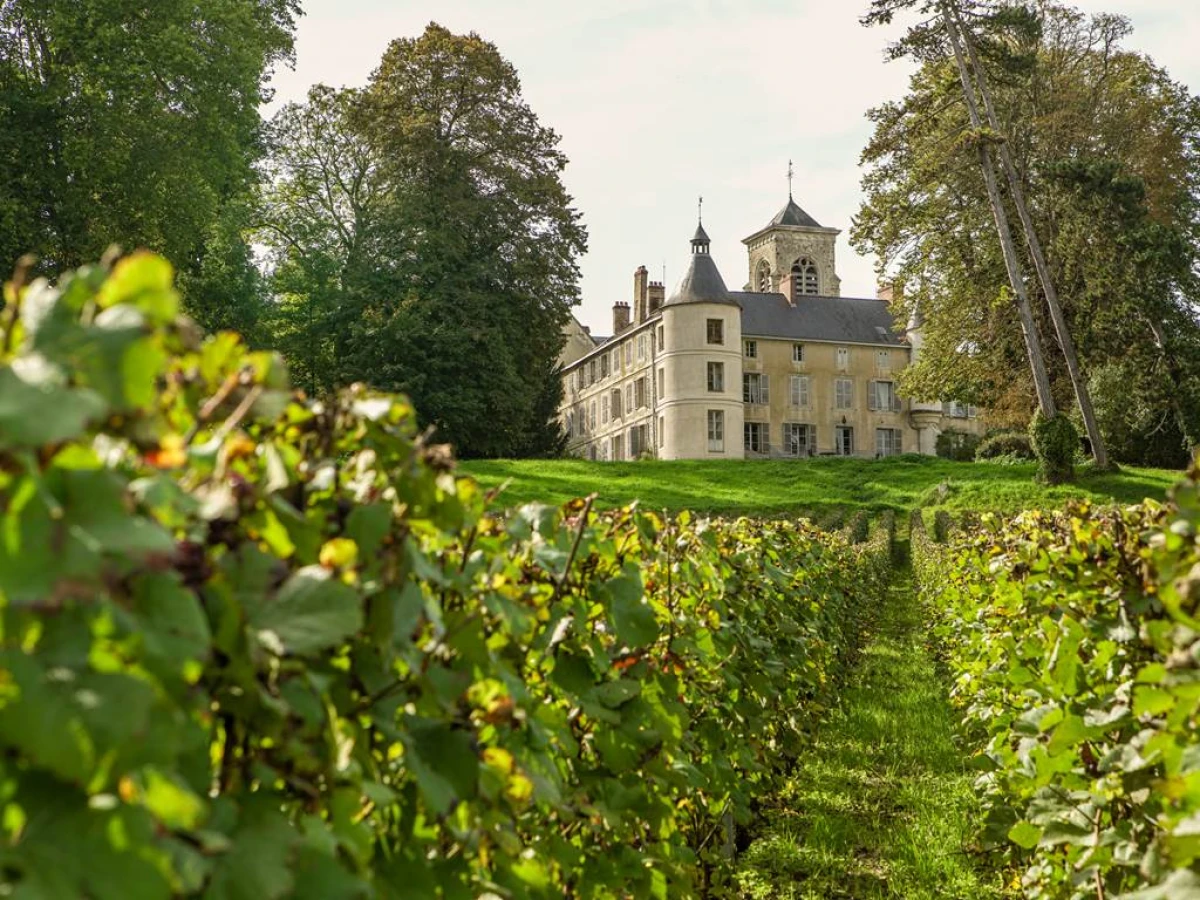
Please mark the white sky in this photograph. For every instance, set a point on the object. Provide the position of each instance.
(659, 101)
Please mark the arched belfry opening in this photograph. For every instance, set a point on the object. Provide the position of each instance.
(762, 278)
(805, 281)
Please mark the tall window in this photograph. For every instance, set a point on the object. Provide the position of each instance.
(887, 442)
(639, 390)
(799, 440)
(797, 353)
(616, 403)
(843, 394)
(715, 329)
(716, 431)
(883, 397)
(618, 448)
(763, 278)
(592, 372)
(716, 377)
(662, 383)
(757, 436)
(604, 366)
(843, 440)
(641, 347)
(637, 441)
(756, 388)
(629, 405)
(750, 349)
(798, 390)
(628, 353)
(605, 407)
(843, 358)
(661, 340)
(592, 416)
(804, 277)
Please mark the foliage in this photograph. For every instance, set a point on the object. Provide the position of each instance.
(422, 241)
(135, 124)
(1009, 444)
(1108, 149)
(1055, 442)
(959, 446)
(261, 646)
(1073, 640)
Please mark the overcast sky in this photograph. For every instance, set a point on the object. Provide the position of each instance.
(659, 101)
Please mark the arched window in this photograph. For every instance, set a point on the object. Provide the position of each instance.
(763, 277)
(805, 280)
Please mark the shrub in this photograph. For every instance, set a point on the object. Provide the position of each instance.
(959, 446)
(1055, 443)
(1072, 639)
(1006, 446)
(257, 646)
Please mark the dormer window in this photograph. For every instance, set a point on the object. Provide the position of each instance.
(804, 278)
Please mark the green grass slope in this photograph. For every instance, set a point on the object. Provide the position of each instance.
(812, 486)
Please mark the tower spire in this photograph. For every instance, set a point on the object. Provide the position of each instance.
(791, 174)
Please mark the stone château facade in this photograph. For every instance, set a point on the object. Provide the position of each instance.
(786, 368)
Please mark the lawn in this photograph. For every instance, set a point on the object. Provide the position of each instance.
(813, 486)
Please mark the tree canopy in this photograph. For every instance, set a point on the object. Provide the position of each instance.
(422, 241)
(1105, 144)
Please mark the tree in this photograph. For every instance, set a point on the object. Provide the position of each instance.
(133, 123)
(1062, 90)
(429, 233)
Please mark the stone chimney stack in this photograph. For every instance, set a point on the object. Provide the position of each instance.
(656, 297)
(789, 286)
(640, 279)
(620, 317)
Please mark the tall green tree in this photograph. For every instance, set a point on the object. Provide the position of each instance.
(1063, 90)
(135, 123)
(427, 242)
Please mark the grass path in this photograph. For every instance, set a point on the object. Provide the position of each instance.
(881, 805)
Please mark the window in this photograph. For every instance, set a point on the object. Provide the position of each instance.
(592, 416)
(843, 397)
(662, 344)
(883, 397)
(604, 366)
(662, 383)
(592, 452)
(843, 440)
(570, 425)
(750, 348)
(843, 358)
(958, 410)
(605, 406)
(716, 377)
(592, 372)
(972, 412)
(637, 441)
(757, 437)
(716, 431)
(629, 404)
(883, 360)
(639, 393)
(756, 388)
(799, 440)
(618, 448)
(804, 278)
(616, 403)
(798, 390)
(887, 441)
(716, 331)
(662, 431)
(641, 347)
(763, 279)
(797, 353)
(628, 353)
(605, 450)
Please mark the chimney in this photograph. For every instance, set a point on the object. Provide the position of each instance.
(656, 297)
(620, 317)
(640, 278)
(789, 286)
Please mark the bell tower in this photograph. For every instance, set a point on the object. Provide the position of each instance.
(796, 247)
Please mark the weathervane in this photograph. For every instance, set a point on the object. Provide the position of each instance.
(791, 173)
(700, 210)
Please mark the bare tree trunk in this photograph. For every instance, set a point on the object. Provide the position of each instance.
(1012, 262)
(959, 33)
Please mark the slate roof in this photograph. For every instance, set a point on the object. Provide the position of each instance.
(846, 319)
(794, 215)
(701, 236)
(702, 283)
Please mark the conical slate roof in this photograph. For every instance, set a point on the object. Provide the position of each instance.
(701, 236)
(702, 283)
(794, 215)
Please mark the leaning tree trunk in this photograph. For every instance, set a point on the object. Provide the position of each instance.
(959, 34)
(1012, 262)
